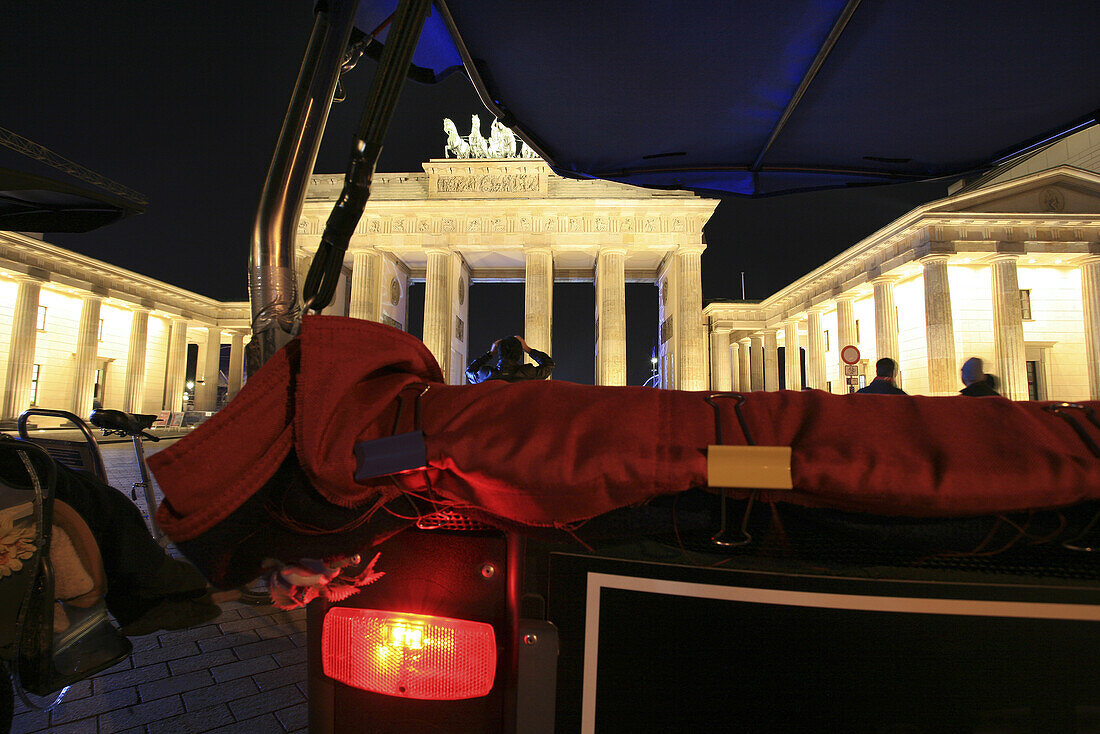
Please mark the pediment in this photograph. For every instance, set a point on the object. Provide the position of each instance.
(1062, 190)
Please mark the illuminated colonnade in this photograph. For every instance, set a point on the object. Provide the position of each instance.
(1009, 273)
(468, 221)
(83, 331)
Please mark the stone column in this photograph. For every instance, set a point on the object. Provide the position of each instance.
(135, 361)
(720, 360)
(538, 298)
(815, 350)
(756, 361)
(792, 366)
(437, 307)
(886, 320)
(1090, 297)
(1008, 328)
(611, 318)
(691, 372)
(87, 351)
(175, 370)
(206, 392)
(24, 335)
(734, 360)
(744, 370)
(845, 334)
(366, 284)
(939, 328)
(236, 365)
(771, 360)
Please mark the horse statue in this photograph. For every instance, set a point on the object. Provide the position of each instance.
(479, 147)
(502, 141)
(456, 146)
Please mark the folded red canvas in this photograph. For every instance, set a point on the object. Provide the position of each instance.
(551, 452)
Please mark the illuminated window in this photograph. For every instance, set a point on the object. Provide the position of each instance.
(101, 330)
(34, 383)
(41, 324)
(1025, 304)
(858, 340)
(826, 340)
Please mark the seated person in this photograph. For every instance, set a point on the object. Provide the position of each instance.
(147, 590)
(504, 361)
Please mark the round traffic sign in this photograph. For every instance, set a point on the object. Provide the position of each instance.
(849, 354)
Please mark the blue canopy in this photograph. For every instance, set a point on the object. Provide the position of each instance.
(759, 97)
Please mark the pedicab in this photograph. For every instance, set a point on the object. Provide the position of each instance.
(631, 559)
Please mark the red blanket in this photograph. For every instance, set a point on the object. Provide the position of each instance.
(547, 453)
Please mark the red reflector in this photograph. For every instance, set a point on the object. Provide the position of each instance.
(409, 655)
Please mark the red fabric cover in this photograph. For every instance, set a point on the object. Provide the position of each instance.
(546, 453)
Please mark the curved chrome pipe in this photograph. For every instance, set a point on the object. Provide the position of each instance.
(272, 285)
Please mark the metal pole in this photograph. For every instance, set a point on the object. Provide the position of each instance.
(273, 289)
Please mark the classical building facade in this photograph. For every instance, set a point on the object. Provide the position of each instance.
(466, 221)
(77, 330)
(1007, 269)
(1009, 272)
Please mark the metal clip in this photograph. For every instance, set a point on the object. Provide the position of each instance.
(745, 537)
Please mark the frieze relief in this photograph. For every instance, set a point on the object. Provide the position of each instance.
(449, 224)
(473, 224)
(423, 225)
(513, 183)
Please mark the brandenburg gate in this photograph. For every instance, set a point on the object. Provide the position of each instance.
(495, 220)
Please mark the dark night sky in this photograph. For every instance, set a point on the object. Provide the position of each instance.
(183, 101)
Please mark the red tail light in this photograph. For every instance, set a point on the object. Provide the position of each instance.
(409, 655)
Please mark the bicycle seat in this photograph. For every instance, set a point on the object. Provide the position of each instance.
(115, 420)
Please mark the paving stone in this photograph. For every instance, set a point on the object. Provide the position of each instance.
(79, 690)
(175, 684)
(266, 724)
(294, 717)
(93, 705)
(243, 668)
(122, 719)
(228, 640)
(28, 721)
(219, 693)
(281, 630)
(252, 706)
(193, 721)
(191, 634)
(245, 623)
(290, 657)
(201, 661)
(84, 726)
(113, 681)
(264, 647)
(164, 654)
(296, 673)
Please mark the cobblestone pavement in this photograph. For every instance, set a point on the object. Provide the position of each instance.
(243, 672)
